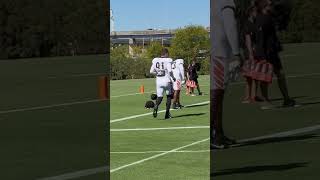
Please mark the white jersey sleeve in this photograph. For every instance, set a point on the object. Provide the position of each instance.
(181, 68)
(153, 69)
(169, 65)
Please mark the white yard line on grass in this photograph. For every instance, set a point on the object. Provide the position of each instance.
(157, 129)
(153, 152)
(148, 114)
(77, 75)
(158, 155)
(132, 94)
(50, 106)
(235, 83)
(78, 174)
(87, 172)
(124, 95)
(281, 134)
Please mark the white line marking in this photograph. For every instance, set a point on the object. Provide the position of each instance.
(158, 155)
(235, 83)
(77, 75)
(93, 171)
(156, 129)
(153, 152)
(50, 106)
(125, 95)
(97, 100)
(282, 134)
(147, 114)
(78, 174)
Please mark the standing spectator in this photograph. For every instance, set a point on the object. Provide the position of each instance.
(193, 76)
(268, 47)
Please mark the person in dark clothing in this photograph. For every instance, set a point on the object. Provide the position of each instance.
(268, 46)
(250, 64)
(193, 76)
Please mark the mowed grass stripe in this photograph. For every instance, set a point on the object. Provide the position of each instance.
(51, 106)
(156, 156)
(157, 129)
(147, 114)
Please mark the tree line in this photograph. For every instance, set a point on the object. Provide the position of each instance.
(36, 28)
(189, 43)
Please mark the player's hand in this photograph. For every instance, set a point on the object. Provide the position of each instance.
(174, 79)
(234, 69)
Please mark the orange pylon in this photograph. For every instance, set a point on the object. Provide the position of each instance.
(142, 89)
(103, 88)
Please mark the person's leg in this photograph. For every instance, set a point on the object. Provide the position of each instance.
(169, 92)
(255, 95)
(178, 98)
(217, 90)
(175, 99)
(192, 91)
(198, 87)
(264, 91)
(248, 88)
(282, 83)
(160, 91)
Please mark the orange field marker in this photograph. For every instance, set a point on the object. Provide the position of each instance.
(103, 88)
(142, 89)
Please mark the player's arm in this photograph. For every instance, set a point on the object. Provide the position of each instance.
(181, 68)
(153, 69)
(169, 68)
(230, 25)
(249, 46)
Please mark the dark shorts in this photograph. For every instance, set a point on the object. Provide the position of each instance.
(195, 80)
(275, 60)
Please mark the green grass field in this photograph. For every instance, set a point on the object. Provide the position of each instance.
(53, 124)
(40, 135)
(294, 156)
(140, 152)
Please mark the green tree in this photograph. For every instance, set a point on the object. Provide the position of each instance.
(189, 42)
(154, 50)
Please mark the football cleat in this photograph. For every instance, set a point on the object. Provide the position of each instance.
(228, 141)
(174, 106)
(218, 143)
(289, 103)
(168, 116)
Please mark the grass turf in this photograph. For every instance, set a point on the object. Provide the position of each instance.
(51, 141)
(278, 158)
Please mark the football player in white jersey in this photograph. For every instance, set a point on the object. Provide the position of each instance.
(162, 68)
(178, 73)
(224, 60)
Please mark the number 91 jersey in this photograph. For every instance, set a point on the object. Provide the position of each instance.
(162, 67)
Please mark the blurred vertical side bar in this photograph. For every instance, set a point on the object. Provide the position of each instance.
(211, 55)
(107, 89)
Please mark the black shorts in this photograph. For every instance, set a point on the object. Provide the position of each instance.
(195, 80)
(275, 60)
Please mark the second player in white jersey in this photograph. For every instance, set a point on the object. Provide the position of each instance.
(178, 73)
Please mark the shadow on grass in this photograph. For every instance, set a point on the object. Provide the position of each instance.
(310, 103)
(188, 115)
(281, 99)
(197, 105)
(276, 140)
(262, 168)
